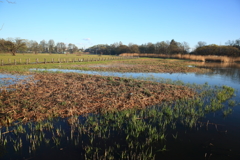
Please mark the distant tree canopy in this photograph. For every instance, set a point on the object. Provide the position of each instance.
(164, 47)
(18, 45)
(232, 48)
(217, 50)
(235, 43)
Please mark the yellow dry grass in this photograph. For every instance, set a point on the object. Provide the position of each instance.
(187, 56)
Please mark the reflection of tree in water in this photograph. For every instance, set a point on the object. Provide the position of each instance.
(228, 70)
(233, 73)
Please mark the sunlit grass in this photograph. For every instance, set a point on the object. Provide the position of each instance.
(42, 56)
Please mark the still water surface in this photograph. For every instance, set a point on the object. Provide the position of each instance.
(214, 136)
(199, 143)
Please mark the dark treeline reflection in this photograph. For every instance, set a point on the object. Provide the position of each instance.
(228, 70)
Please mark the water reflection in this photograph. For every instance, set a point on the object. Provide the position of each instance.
(220, 75)
(194, 129)
(9, 79)
(226, 70)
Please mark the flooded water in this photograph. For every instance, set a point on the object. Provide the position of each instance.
(220, 76)
(8, 79)
(200, 135)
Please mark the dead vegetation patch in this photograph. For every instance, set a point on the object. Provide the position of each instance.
(64, 95)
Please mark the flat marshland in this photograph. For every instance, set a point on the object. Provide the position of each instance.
(67, 94)
(156, 65)
(104, 117)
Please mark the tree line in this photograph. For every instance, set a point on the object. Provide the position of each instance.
(163, 47)
(231, 48)
(18, 45)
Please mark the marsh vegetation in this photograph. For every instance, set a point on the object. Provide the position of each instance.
(80, 116)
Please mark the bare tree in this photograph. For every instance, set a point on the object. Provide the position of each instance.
(51, 45)
(70, 47)
(34, 47)
(201, 44)
(75, 48)
(230, 43)
(43, 46)
(12, 45)
(185, 47)
(61, 47)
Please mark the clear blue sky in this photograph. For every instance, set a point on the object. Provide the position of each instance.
(91, 22)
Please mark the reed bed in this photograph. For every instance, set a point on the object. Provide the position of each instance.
(70, 94)
(202, 58)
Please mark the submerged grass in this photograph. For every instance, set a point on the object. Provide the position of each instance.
(132, 133)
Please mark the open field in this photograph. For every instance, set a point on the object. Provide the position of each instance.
(49, 58)
(156, 65)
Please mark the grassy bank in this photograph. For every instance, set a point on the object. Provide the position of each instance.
(41, 56)
(6, 59)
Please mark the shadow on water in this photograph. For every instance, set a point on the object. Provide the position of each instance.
(205, 127)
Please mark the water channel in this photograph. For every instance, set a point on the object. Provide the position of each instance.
(213, 136)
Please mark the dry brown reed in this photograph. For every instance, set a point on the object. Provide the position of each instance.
(65, 95)
(187, 56)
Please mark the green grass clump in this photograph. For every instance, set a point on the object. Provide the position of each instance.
(232, 103)
(225, 94)
(227, 112)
